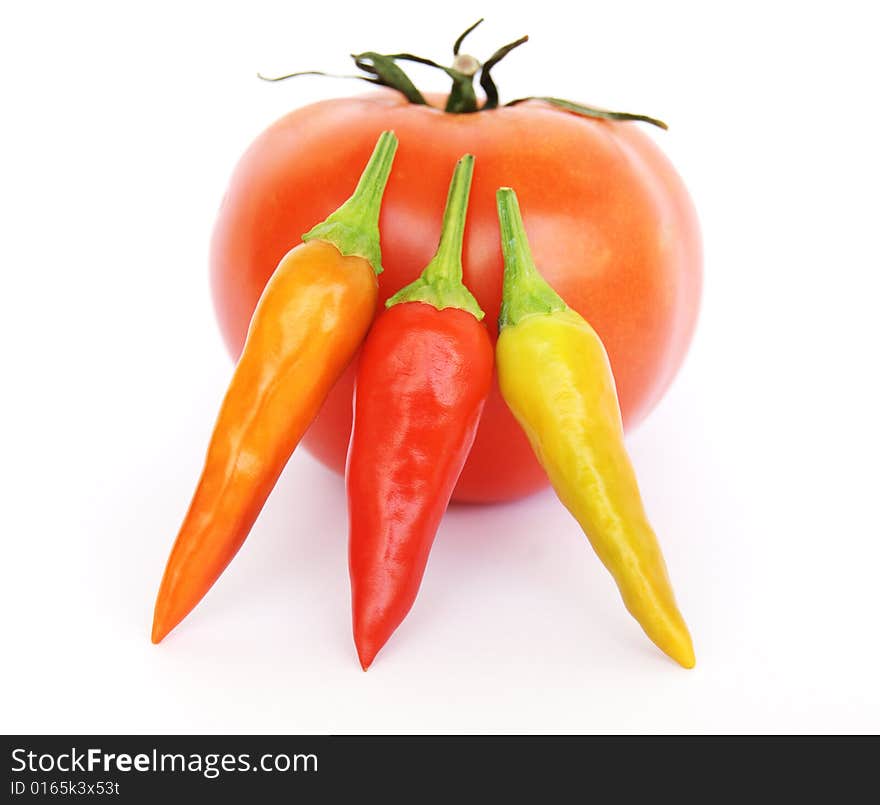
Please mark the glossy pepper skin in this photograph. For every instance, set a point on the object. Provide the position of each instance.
(423, 377)
(555, 376)
(310, 321)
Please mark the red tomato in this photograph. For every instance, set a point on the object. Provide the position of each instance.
(611, 226)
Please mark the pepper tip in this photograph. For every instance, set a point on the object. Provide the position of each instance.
(156, 636)
(365, 655)
(159, 631)
(682, 653)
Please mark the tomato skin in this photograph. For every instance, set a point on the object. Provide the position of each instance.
(610, 222)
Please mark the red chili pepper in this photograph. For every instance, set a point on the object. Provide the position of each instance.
(424, 374)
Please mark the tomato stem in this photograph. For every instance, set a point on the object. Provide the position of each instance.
(354, 227)
(525, 292)
(462, 97)
(383, 70)
(486, 80)
(440, 284)
(590, 111)
(457, 46)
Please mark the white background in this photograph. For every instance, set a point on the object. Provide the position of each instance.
(121, 126)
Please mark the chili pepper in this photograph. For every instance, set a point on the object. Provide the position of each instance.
(309, 322)
(423, 377)
(555, 376)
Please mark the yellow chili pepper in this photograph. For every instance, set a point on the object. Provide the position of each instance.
(555, 376)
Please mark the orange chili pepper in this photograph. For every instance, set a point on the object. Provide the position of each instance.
(310, 321)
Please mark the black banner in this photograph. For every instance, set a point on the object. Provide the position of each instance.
(262, 768)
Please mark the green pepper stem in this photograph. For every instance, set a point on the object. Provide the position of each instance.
(525, 292)
(354, 227)
(367, 196)
(440, 284)
(446, 264)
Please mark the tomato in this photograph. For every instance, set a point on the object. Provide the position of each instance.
(610, 222)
